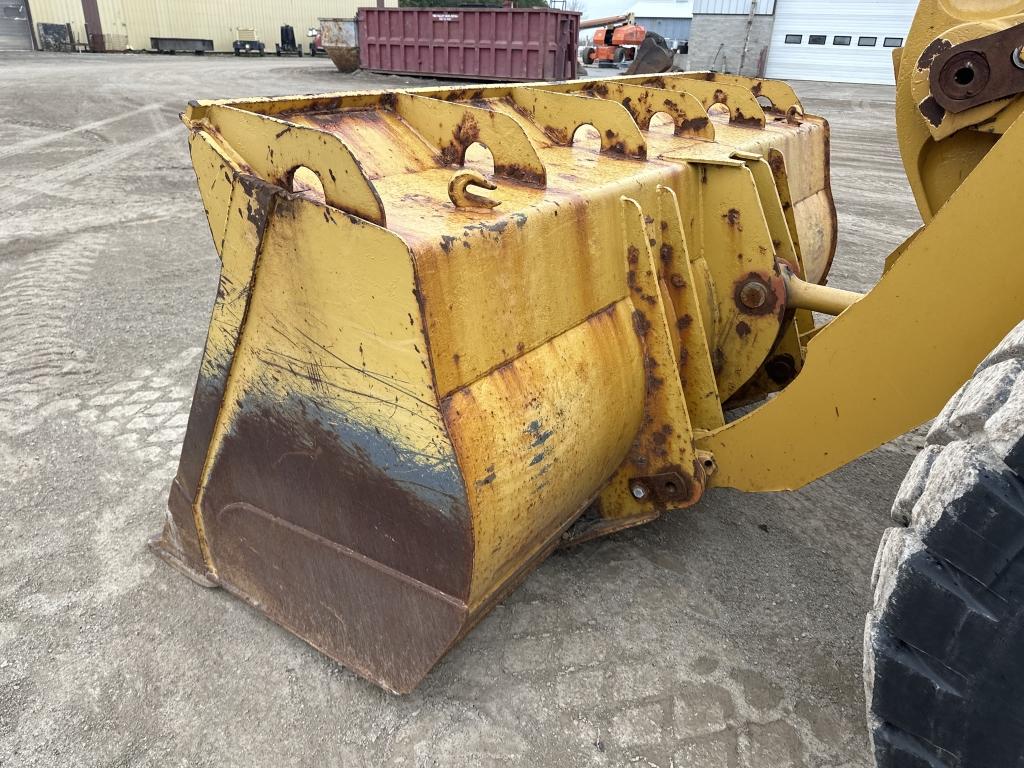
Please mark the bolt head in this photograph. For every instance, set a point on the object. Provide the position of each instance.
(754, 294)
(638, 491)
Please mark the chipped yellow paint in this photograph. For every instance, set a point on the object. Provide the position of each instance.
(216, 183)
(273, 149)
(465, 258)
(530, 448)
(360, 353)
(777, 162)
(689, 117)
(485, 287)
(452, 128)
(662, 468)
(741, 105)
(735, 228)
(503, 371)
(774, 213)
(782, 97)
(559, 115)
(697, 373)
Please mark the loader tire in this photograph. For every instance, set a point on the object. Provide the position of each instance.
(944, 640)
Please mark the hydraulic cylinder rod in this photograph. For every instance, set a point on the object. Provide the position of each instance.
(818, 298)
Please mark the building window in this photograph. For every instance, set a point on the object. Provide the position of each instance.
(841, 40)
(816, 39)
(893, 42)
(794, 39)
(867, 42)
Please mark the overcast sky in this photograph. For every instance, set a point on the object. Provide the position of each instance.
(593, 9)
(596, 9)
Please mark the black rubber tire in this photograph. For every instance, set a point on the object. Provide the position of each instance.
(944, 641)
(619, 55)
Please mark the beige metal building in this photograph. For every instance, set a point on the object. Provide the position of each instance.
(132, 24)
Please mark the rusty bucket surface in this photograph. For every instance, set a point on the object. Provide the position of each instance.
(455, 328)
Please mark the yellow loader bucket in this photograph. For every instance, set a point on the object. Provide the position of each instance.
(455, 328)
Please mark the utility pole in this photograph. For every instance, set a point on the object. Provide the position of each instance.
(746, 39)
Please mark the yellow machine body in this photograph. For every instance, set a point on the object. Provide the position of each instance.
(458, 327)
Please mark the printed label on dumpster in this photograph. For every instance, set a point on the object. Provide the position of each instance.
(445, 16)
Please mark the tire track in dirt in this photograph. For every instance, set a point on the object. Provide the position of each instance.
(56, 136)
(38, 354)
(20, 191)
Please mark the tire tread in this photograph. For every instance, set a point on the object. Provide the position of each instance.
(949, 584)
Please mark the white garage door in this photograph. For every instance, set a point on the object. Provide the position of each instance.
(845, 41)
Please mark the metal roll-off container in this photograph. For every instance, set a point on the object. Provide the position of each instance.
(514, 44)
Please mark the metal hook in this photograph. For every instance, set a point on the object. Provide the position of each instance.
(462, 198)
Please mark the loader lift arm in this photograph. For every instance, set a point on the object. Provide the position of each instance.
(892, 360)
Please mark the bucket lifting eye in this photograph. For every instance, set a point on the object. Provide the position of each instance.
(463, 198)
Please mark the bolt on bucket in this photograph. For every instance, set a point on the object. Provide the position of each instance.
(457, 328)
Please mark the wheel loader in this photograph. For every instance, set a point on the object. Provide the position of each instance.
(457, 328)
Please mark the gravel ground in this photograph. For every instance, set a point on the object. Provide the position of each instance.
(729, 635)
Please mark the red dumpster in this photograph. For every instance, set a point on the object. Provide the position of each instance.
(470, 43)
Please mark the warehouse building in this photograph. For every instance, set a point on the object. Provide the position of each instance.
(838, 41)
(669, 18)
(731, 35)
(138, 25)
